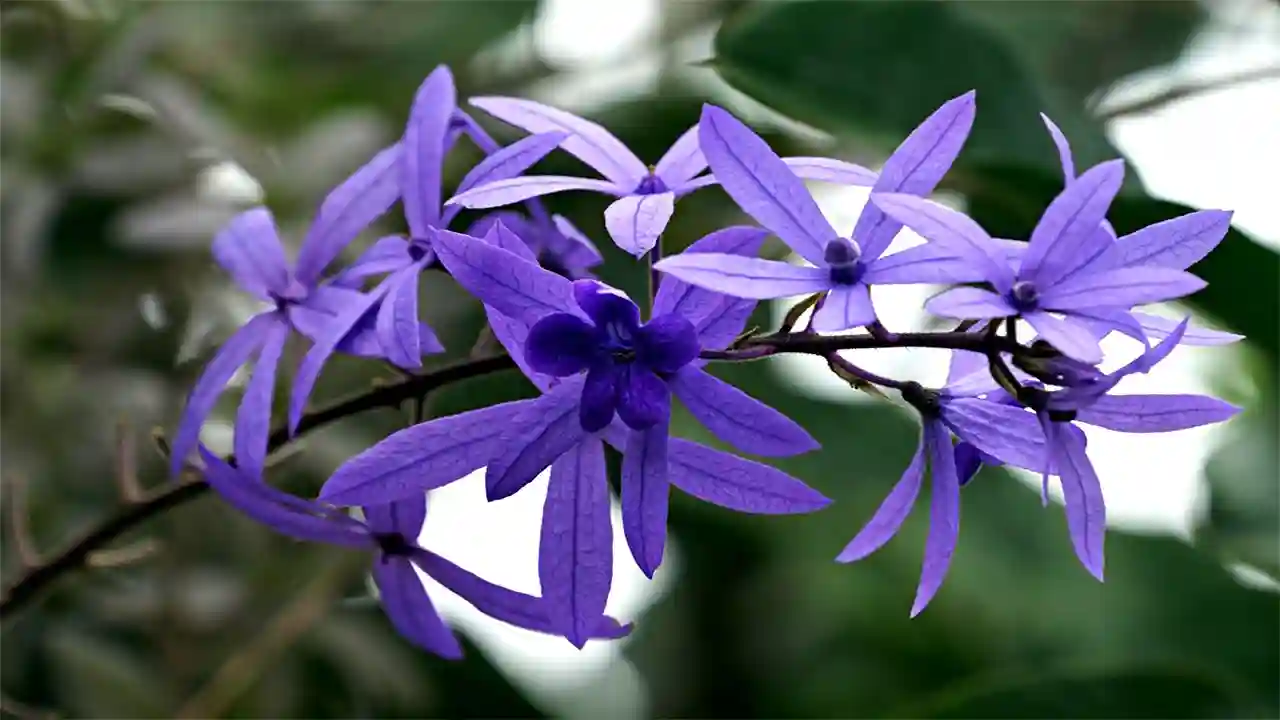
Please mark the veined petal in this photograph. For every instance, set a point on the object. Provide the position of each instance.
(561, 345)
(1065, 238)
(1178, 243)
(915, 168)
(514, 190)
(533, 438)
(830, 170)
(717, 318)
(682, 161)
(891, 513)
(1120, 288)
(588, 141)
(404, 517)
(397, 321)
(645, 491)
(575, 557)
(844, 307)
(1102, 321)
(506, 163)
(1155, 413)
(204, 394)
(1069, 337)
(951, 230)
(737, 418)
(248, 248)
(1158, 328)
(386, 255)
(409, 609)
(762, 185)
(599, 396)
(1007, 433)
(514, 287)
(347, 210)
(643, 398)
(424, 147)
(580, 252)
(635, 222)
(1064, 148)
(512, 239)
(927, 263)
(746, 277)
(737, 483)
(284, 513)
(944, 515)
(1086, 510)
(423, 457)
(253, 417)
(509, 606)
(964, 303)
(964, 363)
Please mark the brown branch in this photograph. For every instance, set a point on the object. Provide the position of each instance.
(1181, 92)
(159, 499)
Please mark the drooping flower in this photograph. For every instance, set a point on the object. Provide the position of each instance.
(646, 195)
(842, 268)
(390, 532)
(250, 250)
(1059, 272)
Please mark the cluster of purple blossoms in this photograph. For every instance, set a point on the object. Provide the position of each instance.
(608, 369)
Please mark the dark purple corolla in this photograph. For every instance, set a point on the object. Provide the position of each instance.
(390, 532)
(843, 268)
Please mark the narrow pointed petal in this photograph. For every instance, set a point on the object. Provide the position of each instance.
(313, 362)
(581, 252)
(500, 603)
(1007, 433)
(762, 185)
(1155, 413)
(386, 255)
(234, 353)
(506, 163)
(248, 248)
(953, 231)
(1120, 288)
(1178, 243)
(1086, 510)
(635, 222)
(1064, 148)
(964, 363)
(533, 438)
(588, 141)
(682, 161)
(516, 226)
(1065, 238)
(410, 610)
(1158, 328)
(283, 513)
(928, 263)
(424, 147)
(944, 515)
(561, 345)
(514, 190)
(643, 397)
(1069, 337)
(1102, 321)
(915, 168)
(717, 318)
(891, 513)
(969, 460)
(969, 303)
(830, 170)
(253, 417)
(745, 277)
(514, 287)
(347, 210)
(845, 307)
(397, 321)
(737, 483)
(575, 556)
(645, 492)
(739, 419)
(423, 457)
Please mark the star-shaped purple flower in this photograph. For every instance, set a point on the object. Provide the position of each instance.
(646, 195)
(842, 268)
(391, 533)
(556, 243)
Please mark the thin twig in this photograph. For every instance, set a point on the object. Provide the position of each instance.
(127, 463)
(28, 554)
(1181, 92)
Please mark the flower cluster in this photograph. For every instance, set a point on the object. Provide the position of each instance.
(608, 369)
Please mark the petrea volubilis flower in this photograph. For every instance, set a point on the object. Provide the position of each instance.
(556, 243)
(391, 533)
(646, 195)
(842, 268)
(1059, 271)
(250, 250)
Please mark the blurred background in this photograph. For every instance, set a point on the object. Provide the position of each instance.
(131, 131)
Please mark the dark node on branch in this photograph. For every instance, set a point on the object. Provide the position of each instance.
(924, 400)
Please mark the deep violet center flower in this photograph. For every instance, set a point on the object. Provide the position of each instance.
(651, 184)
(844, 261)
(627, 362)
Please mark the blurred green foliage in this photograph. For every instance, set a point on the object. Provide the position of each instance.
(114, 114)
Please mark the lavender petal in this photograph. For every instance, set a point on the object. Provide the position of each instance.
(737, 483)
(645, 492)
(745, 277)
(739, 419)
(893, 511)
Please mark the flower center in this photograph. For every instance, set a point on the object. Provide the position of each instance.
(650, 185)
(1024, 295)
(843, 258)
(619, 342)
(393, 544)
(418, 248)
(292, 295)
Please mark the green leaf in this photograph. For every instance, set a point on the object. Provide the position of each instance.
(1244, 497)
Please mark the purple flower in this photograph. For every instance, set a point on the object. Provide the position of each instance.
(1063, 269)
(391, 533)
(556, 243)
(646, 195)
(249, 249)
(843, 268)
